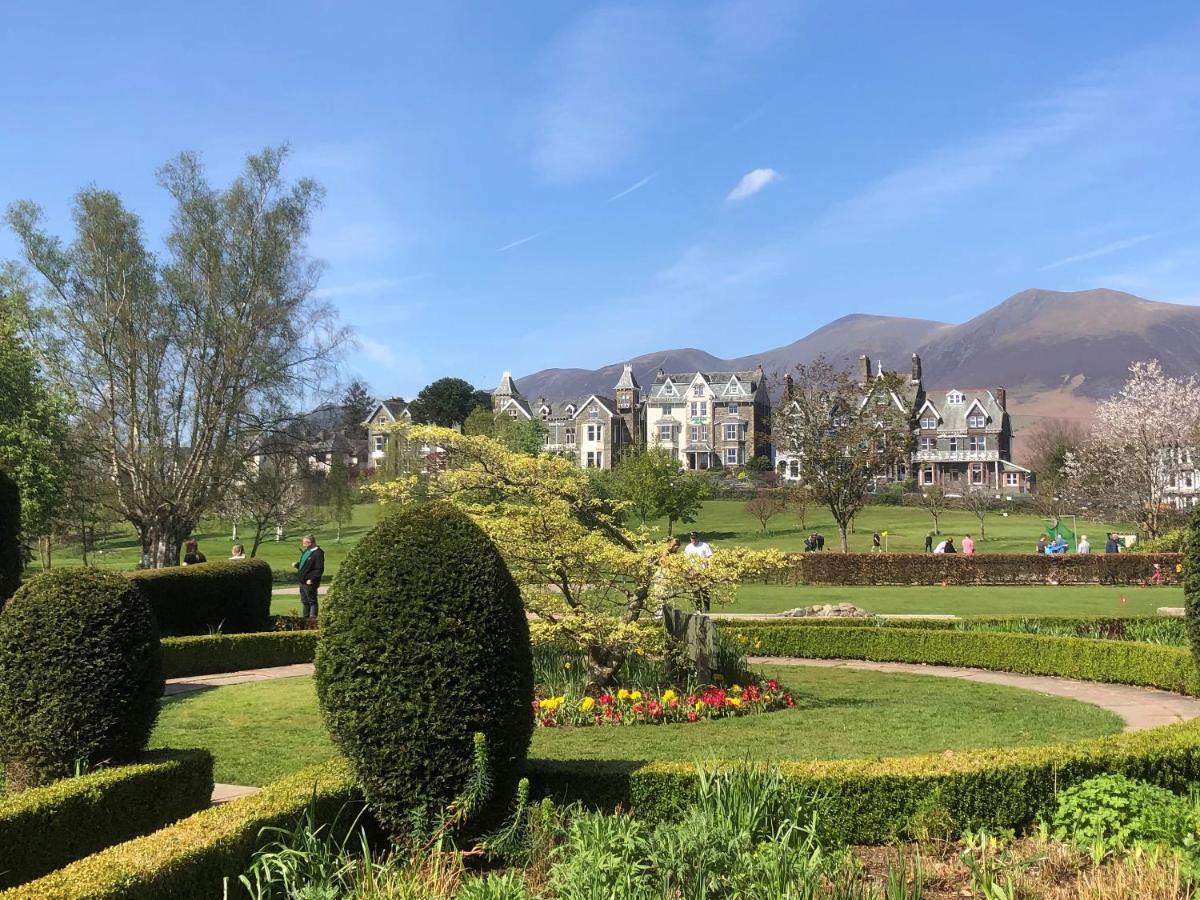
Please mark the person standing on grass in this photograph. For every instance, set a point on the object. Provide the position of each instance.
(1084, 547)
(310, 567)
(1041, 545)
(929, 542)
(820, 541)
(238, 552)
(1112, 545)
(968, 546)
(192, 554)
(876, 542)
(698, 549)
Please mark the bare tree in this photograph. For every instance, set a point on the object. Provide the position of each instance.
(765, 505)
(798, 499)
(181, 364)
(935, 502)
(845, 436)
(271, 495)
(979, 500)
(1140, 439)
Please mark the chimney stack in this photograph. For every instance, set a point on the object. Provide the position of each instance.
(864, 369)
(788, 386)
(916, 369)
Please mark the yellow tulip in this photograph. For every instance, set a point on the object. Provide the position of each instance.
(622, 694)
(735, 701)
(587, 704)
(669, 695)
(635, 696)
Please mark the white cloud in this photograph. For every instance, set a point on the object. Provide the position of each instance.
(378, 352)
(1113, 247)
(751, 184)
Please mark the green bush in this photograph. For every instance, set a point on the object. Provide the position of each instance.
(424, 643)
(1173, 541)
(11, 556)
(229, 596)
(46, 828)
(1117, 813)
(1191, 584)
(80, 675)
(985, 568)
(1120, 662)
(210, 654)
(190, 859)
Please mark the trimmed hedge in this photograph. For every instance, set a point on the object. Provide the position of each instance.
(875, 801)
(987, 568)
(1088, 659)
(189, 860)
(210, 654)
(46, 828)
(1191, 585)
(228, 595)
(11, 554)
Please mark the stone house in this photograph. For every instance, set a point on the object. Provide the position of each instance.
(709, 420)
(386, 412)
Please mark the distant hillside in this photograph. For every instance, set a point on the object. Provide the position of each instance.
(1057, 352)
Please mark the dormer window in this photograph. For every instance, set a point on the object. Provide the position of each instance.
(545, 412)
(954, 398)
(976, 420)
(669, 389)
(570, 409)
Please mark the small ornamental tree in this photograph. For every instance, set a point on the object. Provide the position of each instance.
(765, 505)
(424, 643)
(80, 675)
(11, 555)
(1191, 583)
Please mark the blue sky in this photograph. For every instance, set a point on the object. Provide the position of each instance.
(515, 186)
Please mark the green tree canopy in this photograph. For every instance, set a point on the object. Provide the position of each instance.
(356, 406)
(447, 402)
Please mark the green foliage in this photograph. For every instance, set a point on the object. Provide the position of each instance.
(209, 654)
(1191, 583)
(447, 402)
(190, 859)
(356, 407)
(1173, 541)
(12, 559)
(230, 596)
(80, 675)
(759, 464)
(45, 828)
(1118, 813)
(340, 496)
(524, 436)
(424, 643)
(1120, 662)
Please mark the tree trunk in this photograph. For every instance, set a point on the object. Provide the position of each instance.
(259, 528)
(603, 665)
(844, 534)
(670, 525)
(161, 539)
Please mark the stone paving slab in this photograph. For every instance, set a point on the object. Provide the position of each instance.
(1175, 612)
(1138, 707)
(200, 682)
(223, 793)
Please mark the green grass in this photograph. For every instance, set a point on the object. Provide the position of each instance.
(964, 600)
(261, 731)
(727, 522)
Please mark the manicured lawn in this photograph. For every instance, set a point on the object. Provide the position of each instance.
(261, 731)
(727, 522)
(984, 600)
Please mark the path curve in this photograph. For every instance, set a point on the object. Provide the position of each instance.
(1139, 707)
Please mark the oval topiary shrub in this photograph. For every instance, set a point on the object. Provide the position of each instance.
(80, 675)
(424, 642)
(1191, 583)
(11, 561)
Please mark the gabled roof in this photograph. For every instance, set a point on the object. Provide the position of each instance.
(396, 408)
(749, 381)
(516, 402)
(507, 386)
(954, 418)
(628, 381)
(610, 406)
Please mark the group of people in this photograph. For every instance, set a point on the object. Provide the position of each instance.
(1059, 545)
(946, 545)
(310, 567)
(814, 541)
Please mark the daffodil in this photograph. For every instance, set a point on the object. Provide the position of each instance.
(635, 696)
(622, 694)
(734, 701)
(669, 695)
(586, 704)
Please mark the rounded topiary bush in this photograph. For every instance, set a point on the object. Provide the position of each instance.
(424, 642)
(1191, 583)
(11, 561)
(80, 675)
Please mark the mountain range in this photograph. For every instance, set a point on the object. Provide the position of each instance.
(1057, 352)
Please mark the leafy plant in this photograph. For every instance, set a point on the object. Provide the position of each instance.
(1114, 813)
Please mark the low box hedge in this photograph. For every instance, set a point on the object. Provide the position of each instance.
(1088, 659)
(190, 859)
(985, 568)
(211, 654)
(876, 801)
(229, 596)
(46, 828)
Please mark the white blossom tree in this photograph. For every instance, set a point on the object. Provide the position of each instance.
(1140, 437)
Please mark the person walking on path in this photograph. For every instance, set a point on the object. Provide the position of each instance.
(192, 554)
(310, 567)
(1084, 547)
(1112, 545)
(968, 546)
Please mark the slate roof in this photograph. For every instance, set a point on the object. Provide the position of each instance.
(627, 380)
(953, 417)
(719, 382)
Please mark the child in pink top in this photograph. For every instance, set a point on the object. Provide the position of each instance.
(968, 546)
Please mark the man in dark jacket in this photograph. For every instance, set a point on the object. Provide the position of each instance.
(311, 567)
(1112, 545)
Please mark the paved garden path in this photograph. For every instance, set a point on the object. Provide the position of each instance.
(1138, 707)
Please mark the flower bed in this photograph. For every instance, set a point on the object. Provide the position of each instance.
(636, 707)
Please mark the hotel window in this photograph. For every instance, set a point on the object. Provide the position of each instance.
(594, 432)
(976, 442)
(976, 474)
(794, 468)
(593, 413)
(731, 456)
(379, 441)
(928, 422)
(732, 409)
(699, 407)
(1011, 479)
(698, 390)
(699, 433)
(953, 445)
(595, 459)
(668, 409)
(570, 434)
(731, 432)
(665, 432)
(928, 443)
(976, 421)
(954, 398)
(927, 476)
(546, 439)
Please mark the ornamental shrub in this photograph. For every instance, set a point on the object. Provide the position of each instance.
(80, 675)
(11, 560)
(424, 642)
(1191, 583)
(229, 596)
(1117, 813)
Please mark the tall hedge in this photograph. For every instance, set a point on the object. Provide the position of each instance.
(80, 675)
(11, 561)
(424, 643)
(230, 596)
(1191, 583)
